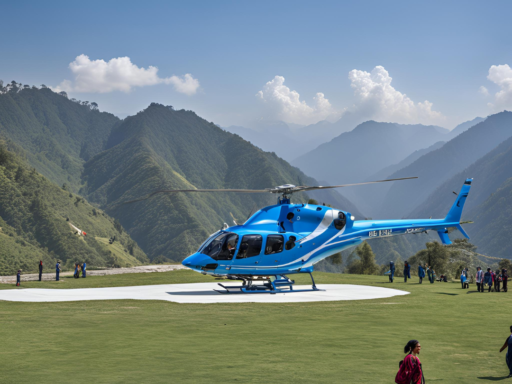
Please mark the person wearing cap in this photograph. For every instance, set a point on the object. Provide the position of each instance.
(488, 279)
(479, 279)
(57, 270)
(40, 270)
(18, 278)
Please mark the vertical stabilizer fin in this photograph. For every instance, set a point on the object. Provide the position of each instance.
(456, 210)
(461, 230)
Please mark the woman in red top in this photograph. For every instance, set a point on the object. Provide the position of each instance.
(410, 371)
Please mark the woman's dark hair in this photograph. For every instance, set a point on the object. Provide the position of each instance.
(511, 328)
(410, 346)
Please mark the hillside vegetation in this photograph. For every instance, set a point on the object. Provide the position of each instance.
(160, 148)
(57, 134)
(35, 218)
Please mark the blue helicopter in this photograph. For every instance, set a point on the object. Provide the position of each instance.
(286, 238)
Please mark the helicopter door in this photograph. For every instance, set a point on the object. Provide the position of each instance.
(286, 219)
(249, 252)
(274, 247)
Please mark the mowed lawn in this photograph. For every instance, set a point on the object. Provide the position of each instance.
(130, 341)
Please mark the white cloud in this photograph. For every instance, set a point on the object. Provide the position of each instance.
(483, 91)
(377, 99)
(501, 75)
(286, 105)
(119, 74)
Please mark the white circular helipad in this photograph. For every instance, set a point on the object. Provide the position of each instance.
(200, 293)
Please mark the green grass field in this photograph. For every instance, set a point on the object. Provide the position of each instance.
(133, 341)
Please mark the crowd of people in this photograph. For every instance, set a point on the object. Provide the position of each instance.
(423, 270)
(496, 281)
(80, 271)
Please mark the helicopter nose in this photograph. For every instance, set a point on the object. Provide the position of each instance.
(196, 261)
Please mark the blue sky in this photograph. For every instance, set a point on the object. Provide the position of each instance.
(440, 51)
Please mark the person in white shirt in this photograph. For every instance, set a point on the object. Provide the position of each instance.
(479, 279)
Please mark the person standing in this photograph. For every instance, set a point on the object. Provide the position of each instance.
(479, 279)
(40, 270)
(488, 279)
(407, 271)
(57, 270)
(432, 276)
(463, 280)
(497, 281)
(392, 271)
(429, 273)
(421, 273)
(76, 271)
(504, 278)
(18, 278)
(83, 269)
(411, 371)
(508, 357)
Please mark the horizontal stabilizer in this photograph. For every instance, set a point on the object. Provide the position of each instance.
(443, 234)
(461, 230)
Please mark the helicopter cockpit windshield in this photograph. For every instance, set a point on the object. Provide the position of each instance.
(221, 247)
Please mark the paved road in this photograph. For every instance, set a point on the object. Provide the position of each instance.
(103, 272)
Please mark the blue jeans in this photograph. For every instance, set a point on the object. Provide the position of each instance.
(57, 275)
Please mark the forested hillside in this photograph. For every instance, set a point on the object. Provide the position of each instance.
(35, 218)
(160, 148)
(58, 135)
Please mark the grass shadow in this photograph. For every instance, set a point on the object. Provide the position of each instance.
(449, 294)
(492, 378)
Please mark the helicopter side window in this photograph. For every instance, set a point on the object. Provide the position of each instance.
(274, 244)
(228, 247)
(340, 222)
(290, 243)
(250, 246)
(221, 247)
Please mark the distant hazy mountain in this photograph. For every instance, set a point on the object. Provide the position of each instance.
(369, 198)
(434, 168)
(464, 127)
(160, 148)
(489, 203)
(354, 156)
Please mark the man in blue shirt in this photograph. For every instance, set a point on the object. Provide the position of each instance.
(421, 273)
(57, 270)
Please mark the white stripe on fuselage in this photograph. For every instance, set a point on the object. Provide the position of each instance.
(322, 227)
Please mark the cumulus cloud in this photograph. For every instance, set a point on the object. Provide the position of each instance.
(483, 91)
(377, 99)
(501, 75)
(286, 105)
(119, 74)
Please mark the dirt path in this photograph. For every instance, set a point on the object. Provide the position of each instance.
(101, 272)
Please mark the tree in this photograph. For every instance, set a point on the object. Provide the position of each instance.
(43, 86)
(63, 94)
(505, 264)
(312, 201)
(366, 264)
(435, 255)
(19, 174)
(337, 258)
(94, 106)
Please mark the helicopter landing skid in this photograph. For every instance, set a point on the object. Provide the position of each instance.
(281, 284)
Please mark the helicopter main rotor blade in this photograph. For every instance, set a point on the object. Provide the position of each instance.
(304, 189)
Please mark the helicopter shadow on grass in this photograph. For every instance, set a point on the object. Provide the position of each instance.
(194, 293)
